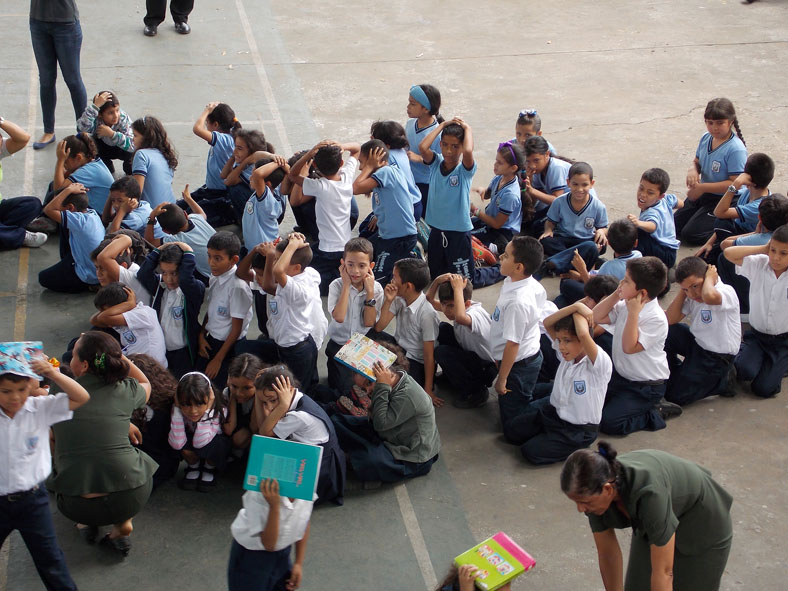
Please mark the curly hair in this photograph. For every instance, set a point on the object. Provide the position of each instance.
(162, 386)
(155, 136)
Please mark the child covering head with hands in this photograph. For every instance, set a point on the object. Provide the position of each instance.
(110, 127)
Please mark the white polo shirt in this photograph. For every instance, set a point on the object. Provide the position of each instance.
(291, 310)
(548, 309)
(579, 388)
(516, 317)
(26, 459)
(228, 297)
(768, 295)
(251, 519)
(354, 317)
(651, 363)
(142, 334)
(129, 278)
(716, 328)
(415, 324)
(172, 318)
(476, 337)
(299, 425)
(332, 206)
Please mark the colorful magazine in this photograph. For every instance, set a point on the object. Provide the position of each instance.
(296, 466)
(15, 357)
(499, 560)
(360, 353)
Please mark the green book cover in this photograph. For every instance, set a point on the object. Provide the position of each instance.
(296, 466)
(499, 560)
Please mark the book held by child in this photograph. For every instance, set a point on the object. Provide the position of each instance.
(296, 466)
(360, 354)
(499, 560)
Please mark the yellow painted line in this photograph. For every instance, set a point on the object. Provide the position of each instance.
(21, 294)
(7, 294)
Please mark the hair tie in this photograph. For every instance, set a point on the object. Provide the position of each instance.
(235, 119)
(528, 113)
(511, 150)
(100, 362)
(417, 92)
(602, 452)
(197, 373)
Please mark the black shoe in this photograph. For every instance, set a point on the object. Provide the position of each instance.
(668, 410)
(205, 486)
(121, 545)
(89, 533)
(183, 28)
(150, 30)
(474, 400)
(732, 387)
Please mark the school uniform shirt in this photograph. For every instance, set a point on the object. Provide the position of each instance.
(398, 158)
(332, 206)
(416, 323)
(259, 222)
(137, 219)
(755, 239)
(551, 179)
(421, 172)
(251, 519)
(476, 337)
(516, 317)
(506, 200)
(617, 267)
(661, 213)
(579, 388)
(650, 364)
(246, 173)
(354, 317)
(548, 309)
(299, 425)
(142, 333)
(726, 160)
(85, 233)
(202, 432)
(97, 179)
(129, 278)
(222, 146)
(577, 224)
(716, 328)
(392, 204)
(172, 319)
(290, 311)
(747, 210)
(26, 459)
(768, 295)
(197, 236)
(449, 202)
(151, 164)
(228, 297)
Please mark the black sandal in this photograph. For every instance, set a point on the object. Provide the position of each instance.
(121, 544)
(89, 533)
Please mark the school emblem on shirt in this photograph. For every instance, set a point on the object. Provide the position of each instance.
(454, 180)
(223, 312)
(715, 166)
(177, 312)
(130, 337)
(249, 207)
(588, 223)
(705, 316)
(496, 314)
(272, 305)
(376, 198)
(31, 443)
(580, 387)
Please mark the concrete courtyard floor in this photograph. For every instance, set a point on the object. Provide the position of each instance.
(620, 85)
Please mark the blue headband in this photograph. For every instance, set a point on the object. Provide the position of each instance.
(417, 92)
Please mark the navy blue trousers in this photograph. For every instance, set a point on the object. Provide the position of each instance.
(465, 370)
(388, 251)
(327, 265)
(201, 363)
(649, 247)
(701, 373)
(560, 250)
(695, 221)
(257, 570)
(340, 377)
(520, 385)
(763, 359)
(15, 214)
(449, 252)
(629, 406)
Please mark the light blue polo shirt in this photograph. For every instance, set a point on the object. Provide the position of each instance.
(506, 200)
(97, 179)
(618, 266)
(392, 203)
(158, 175)
(222, 146)
(399, 159)
(421, 172)
(137, 219)
(577, 224)
(197, 236)
(449, 201)
(720, 164)
(661, 213)
(259, 221)
(246, 173)
(753, 239)
(551, 179)
(85, 233)
(747, 210)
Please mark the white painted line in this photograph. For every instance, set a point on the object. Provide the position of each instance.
(416, 537)
(263, 77)
(262, 122)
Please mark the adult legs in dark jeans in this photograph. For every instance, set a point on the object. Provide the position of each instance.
(157, 11)
(15, 214)
(53, 44)
(695, 221)
(30, 515)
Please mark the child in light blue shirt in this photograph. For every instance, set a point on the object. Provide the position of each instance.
(424, 105)
(656, 229)
(154, 161)
(260, 220)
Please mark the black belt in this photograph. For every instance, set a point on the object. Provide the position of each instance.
(528, 359)
(649, 382)
(770, 337)
(18, 496)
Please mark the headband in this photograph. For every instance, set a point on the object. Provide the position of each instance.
(197, 373)
(417, 92)
(511, 150)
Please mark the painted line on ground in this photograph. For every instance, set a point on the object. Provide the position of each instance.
(262, 122)
(415, 536)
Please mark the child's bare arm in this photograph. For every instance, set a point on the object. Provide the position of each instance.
(583, 329)
(199, 126)
(429, 372)
(737, 254)
(467, 143)
(602, 309)
(389, 293)
(295, 175)
(630, 338)
(458, 283)
(353, 147)
(433, 290)
(673, 313)
(645, 225)
(77, 395)
(295, 241)
(425, 148)
(106, 258)
(577, 308)
(710, 295)
(193, 205)
(227, 168)
(53, 209)
(263, 172)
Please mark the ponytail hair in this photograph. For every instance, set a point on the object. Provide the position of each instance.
(390, 133)
(722, 108)
(81, 143)
(103, 355)
(586, 472)
(154, 136)
(224, 116)
(434, 96)
(254, 139)
(530, 117)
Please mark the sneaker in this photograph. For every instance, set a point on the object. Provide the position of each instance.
(42, 224)
(481, 252)
(668, 410)
(34, 239)
(474, 400)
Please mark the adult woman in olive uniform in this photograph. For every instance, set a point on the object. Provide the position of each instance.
(680, 518)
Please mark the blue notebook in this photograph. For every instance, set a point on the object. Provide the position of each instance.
(295, 465)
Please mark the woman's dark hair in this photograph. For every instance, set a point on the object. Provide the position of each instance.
(154, 136)
(170, 253)
(390, 133)
(224, 117)
(103, 355)
(194, 388)
(434, 96)
(254, 140)
(266, 377)
(586, 472)
(112, 101)
(722, 108)
(81, 143)
(246, 366)
(162, 387)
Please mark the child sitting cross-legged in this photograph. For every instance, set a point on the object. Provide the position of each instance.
(399, 439)
(567, 419)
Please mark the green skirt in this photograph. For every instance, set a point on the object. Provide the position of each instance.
(111, 509)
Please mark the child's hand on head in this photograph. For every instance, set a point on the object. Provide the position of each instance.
(377, 157)
(101, 98)
(743, 180)
(296, 240)
(270, 490)
(212, 105)
(130, 297)
(458, 282)
(284, 390)
(76, 188)
(281, 162)
(711, 274)
(265, 249)
(344, 275)
(635, 305)
(585, 312)
(383, 375)
(390, 292)
(42, 367)
(62, 151)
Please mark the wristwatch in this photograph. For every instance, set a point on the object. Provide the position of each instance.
(371, 303)
(2, 120)
(732, 189)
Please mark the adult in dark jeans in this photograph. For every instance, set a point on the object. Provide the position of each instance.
(57, 39)
(157, 10)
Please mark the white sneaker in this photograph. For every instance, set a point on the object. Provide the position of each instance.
(34, 239)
